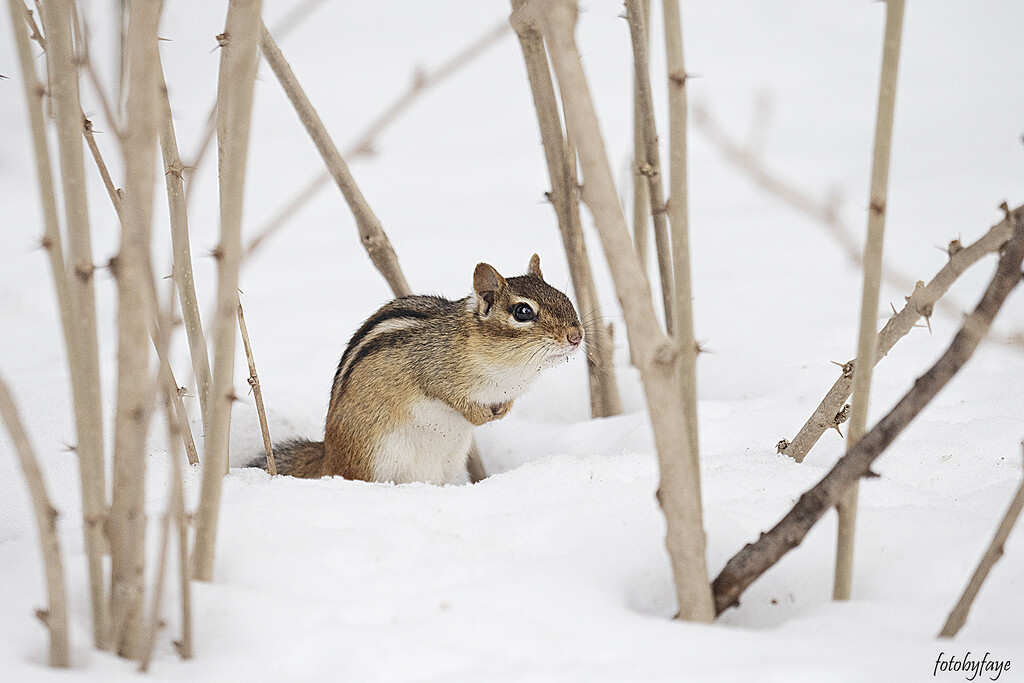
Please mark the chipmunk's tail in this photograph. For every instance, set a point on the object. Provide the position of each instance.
(296, 457)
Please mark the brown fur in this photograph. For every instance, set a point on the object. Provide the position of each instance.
(417, 348)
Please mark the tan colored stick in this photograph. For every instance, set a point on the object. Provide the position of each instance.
(678, 214)
(657, 355)
(166, 375)
(162, 341)
(604, 390)
(55, 615)
(363, 144)
(919, 304)
(254, 382)
(847, 507)
(182, 270)
(181, 520)
(371, 234)
(641, 192)
(83, 352)
(758, 557)
(651, 166)
(958, 616)
(238, 63)
(126, 525)
(283, 27)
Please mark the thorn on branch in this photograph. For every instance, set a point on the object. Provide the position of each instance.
(87, 124)
(233, 397)
(871, 474)
(217, 253)
(1006, 207)
(954, 247)
(46, 243)
(176, 169)
(847, 368)
(646, 170)
(114, 265)
(182, 391)
(43, 615)
(222, 40)
(877, 207)
(841, 417)
(782, 445)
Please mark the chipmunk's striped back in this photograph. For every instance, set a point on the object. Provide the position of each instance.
(423, 370)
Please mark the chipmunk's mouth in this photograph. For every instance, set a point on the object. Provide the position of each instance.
(560, 353)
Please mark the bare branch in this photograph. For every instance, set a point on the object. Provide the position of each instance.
(651, 168)
(958, 617)
(254, 382)
(136, 308)
(46, 519)
(83, 352)
(919, 304)
(371, 234)
(363, 144)
(182, 269)
(678, 213)
(756, 558)
(656, 354)
(239, 59)
(872, 283)
(604, 391)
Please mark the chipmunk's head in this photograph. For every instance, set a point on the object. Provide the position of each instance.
(537, 320)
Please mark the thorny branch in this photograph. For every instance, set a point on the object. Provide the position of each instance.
(756, 558)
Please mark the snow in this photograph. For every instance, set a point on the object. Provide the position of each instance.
(554, 568)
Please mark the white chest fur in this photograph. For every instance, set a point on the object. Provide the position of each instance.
(431, 447)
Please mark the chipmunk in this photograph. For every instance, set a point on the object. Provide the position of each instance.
(422, 371)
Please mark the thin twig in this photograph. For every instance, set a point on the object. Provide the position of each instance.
(958, 616)
(239, 59)
(162, 341)
(181, 519)
(919, 304)
(641, 192)
(182, 268)
(166, 374)
(651, 168)
(757, 557)
(254, 382)
(363, 144)
(371, 234)
(55, 615)
(867, 333)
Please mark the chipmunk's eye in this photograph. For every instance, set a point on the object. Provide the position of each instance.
(523, 313)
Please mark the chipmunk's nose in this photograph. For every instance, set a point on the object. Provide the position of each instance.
(574, 337)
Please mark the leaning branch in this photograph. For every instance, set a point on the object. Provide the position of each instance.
(371, 234)
(958, 617)
(182, 268)
(55, 616)
(919, 304)
(254, 382)
(363, 144)
(756, 558)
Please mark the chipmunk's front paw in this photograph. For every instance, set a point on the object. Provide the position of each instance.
(500, 410)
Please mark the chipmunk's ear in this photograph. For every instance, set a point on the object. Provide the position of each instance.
(486, 283)
(534, 267)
